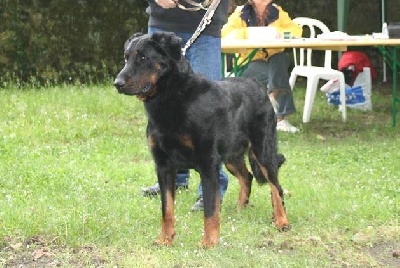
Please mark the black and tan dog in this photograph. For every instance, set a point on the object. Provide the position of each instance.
(194, 123)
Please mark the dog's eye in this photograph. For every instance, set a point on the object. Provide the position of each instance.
(143, 58)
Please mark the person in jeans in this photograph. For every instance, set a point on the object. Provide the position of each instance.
(268, 66)
(204, 56)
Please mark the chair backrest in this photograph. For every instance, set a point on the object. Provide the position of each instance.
(314, 27)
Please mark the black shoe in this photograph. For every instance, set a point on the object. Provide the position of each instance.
(155, 190)
(198, 206)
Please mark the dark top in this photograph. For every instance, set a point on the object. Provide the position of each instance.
(178, 20)
(250, 17)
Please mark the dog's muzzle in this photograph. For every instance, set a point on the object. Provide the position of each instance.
(132, 88)
(119, 84)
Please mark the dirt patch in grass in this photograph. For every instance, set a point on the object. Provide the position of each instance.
(386, 253)
(40, 251)
(359, 252)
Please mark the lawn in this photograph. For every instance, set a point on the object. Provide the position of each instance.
(73, 159)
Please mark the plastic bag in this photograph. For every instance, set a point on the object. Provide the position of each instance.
(357, 97)
(354, 95)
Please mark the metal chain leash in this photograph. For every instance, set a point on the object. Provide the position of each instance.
(204, 21)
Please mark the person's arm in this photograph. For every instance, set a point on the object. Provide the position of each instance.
(288, 25)
(167, 3)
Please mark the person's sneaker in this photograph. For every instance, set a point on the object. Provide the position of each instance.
(155, 190)
(198, 206)
(285, 126)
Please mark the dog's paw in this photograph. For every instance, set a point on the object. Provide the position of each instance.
(165, 239)
(242, 204)
(282, 224)
(208, 243)
(285, 228)
(163, 242)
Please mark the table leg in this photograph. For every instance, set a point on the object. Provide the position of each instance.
(223, 64)
(238, 67)
(396, 99)
(390, 55)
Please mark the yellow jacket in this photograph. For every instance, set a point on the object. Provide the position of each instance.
(242, 17)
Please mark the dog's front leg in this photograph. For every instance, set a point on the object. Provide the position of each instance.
(212, 207)
(166, 180)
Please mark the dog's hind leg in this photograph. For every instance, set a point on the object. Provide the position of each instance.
(265, 169)
(239, 169)
(166, 180)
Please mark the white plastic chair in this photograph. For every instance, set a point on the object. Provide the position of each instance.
(315, 73)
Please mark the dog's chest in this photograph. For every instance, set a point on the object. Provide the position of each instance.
(177, 147)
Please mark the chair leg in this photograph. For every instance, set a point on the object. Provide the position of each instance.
(292, 80)
(343, 98)
(311, 90)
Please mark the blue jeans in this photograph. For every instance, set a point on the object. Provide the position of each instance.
(204, 56)
(274, 75)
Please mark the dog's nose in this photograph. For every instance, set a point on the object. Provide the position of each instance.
(119, 83)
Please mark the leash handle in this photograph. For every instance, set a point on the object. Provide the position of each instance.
(196, 6)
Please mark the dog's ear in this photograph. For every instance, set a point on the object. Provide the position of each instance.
(127, 42)
(170, 43)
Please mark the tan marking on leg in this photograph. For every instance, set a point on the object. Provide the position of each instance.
(280, 218)
(168, 222)
(241, 172)
(186, 141)
(151, 141)
(262, 168)
(212, 226)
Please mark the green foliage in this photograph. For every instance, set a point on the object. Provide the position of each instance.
(47, 42)
(62, 41)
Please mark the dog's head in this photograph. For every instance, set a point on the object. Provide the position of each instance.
(147, 58)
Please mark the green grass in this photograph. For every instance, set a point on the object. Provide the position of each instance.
(74, 158)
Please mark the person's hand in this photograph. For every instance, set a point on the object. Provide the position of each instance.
(167, 3)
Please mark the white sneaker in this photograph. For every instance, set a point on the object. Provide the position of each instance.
(285, 126)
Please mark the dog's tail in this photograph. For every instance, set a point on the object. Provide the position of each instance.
(281, 160)
(255, 167)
